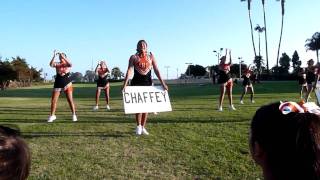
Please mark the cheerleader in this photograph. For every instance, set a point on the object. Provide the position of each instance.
(247, 85)
(225, 81)
(62, 83)
(302, 80)
(102, 84)
(142, 63)
(310, 77)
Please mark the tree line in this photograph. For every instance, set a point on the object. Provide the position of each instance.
(17, 70)
(18, 73)
(287, 69)
(90, 76)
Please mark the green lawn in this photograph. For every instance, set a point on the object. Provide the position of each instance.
(193, 141)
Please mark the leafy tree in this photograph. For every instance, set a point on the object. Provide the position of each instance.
(7, 73)
(296, 62)
(196, 70)
(234, 69)
(89, 76)
(313, 44)
(76, 76)
(284, 64)
(258, 61)
(21, 68)
(36, 74)
(116, 73)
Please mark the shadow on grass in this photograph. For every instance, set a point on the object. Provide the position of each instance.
(30, 135)
(120, 120)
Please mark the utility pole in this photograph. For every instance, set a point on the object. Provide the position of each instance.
(177, 73)
(189, 67)
(92, 65)
(167, 67)
(240, 61)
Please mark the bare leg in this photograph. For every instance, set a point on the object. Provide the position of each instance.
(244, 92)
(97, 96)
(106, 90)
(305, 92)
(138, 119)
(54, 100)
(252, 93)
(144, 119)
(70, 101)
(229, 91)
(310, 88)
(222, 91)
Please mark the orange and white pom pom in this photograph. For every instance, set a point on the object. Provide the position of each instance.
(288, 107)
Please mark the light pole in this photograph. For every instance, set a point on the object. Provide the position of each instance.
(189, 67)
(218, 53)
(177, 73)
(240, 61)
(167, 67)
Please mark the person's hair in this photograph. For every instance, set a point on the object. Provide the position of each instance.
(139, 45)
(223, 58)
(14, 155)
(290, 142)
(310, 61)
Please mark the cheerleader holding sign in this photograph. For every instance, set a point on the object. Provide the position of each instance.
(142, 63)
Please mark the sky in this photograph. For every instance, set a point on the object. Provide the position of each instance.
(177, 31)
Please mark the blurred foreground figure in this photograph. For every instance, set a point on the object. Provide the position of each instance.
(14, 155)
(285, 141)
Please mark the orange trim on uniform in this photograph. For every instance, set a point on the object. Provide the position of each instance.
(143, 64)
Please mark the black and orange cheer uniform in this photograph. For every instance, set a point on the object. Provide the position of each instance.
(302, 79)
(142, 71)
(102, 77)
(224, 74)
(311, 77)
(62, 80)
(246, 78)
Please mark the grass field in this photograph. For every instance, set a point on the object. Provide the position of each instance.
(194, 141)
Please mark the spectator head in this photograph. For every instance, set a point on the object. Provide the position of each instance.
(286, 146)
(310, 62)
(14, 155)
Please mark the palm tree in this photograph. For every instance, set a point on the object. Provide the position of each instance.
(258, 61)
(259, 30)
(282, 13)
(249, 13)
(265, 33)
(313, 44)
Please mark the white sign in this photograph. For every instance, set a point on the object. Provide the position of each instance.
(143, 99)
